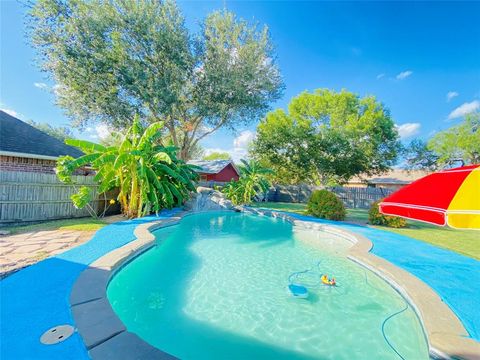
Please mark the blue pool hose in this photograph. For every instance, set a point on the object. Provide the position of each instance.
(388, 318)
(296, 273)
(383, 329)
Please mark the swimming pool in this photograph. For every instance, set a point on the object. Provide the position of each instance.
(215, 287)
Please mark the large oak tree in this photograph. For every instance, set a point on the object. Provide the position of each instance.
(112, 59)
(327, 137)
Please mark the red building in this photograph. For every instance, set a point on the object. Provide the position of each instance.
(216, 170)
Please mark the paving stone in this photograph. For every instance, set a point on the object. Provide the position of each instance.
(127, 346)
(66, 232)
(17, 237)
(19, 257)
(64, 239)
(4, 251)
(96, 322)
(24, 249)
(4, 262)
(28, 243)
(45, 233)
(27, 249)
(53, 247)
(91, 284)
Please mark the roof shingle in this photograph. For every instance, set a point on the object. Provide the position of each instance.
(17, 136)
(211, 166)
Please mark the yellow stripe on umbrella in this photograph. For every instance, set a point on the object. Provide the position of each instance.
(464, 210)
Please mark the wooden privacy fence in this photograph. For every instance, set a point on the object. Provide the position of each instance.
(352, 197)
(291, 193)
(357, 197)
(30, 196)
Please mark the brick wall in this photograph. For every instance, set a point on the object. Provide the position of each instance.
(13, 163)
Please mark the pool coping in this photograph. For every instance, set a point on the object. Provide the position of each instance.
(104, 334)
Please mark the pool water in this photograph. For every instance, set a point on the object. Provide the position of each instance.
(215, 287)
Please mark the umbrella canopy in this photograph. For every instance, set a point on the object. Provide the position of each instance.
(450, 197)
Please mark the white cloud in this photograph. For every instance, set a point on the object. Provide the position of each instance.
(40, 85)
(408, 130)
(55, 89)
(451, 95)
(404, 74)
(464, 109)
(242, 140)
(11, 112)
(379, 76)
(100, 131)
(240, 146)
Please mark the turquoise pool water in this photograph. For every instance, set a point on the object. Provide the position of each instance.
(215, 287)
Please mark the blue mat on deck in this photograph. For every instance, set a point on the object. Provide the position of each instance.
(36, 298)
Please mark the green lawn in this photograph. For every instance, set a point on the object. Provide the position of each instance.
(82, 224)
(465, 242)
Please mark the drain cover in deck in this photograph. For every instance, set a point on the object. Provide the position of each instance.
(57, 334)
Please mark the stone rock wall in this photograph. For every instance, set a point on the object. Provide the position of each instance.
(207, 199)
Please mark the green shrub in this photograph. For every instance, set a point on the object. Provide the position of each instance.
(326, 205)
(375, 217)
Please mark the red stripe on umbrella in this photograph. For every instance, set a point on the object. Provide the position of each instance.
(428, 198)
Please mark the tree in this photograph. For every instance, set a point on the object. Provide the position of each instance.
(460, 143)
(114, 59)
(418, 156)
(218, 156)
(147, 173)
(326, 137)
(59, 132)
(195, 151)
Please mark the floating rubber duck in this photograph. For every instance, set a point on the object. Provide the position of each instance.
(327, 281)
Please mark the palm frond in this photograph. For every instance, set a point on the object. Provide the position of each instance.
(86, 146)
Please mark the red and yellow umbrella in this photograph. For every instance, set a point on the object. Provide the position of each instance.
(449, 197)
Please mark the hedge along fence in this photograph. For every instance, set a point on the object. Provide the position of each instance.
(352, 197)
(30, 196)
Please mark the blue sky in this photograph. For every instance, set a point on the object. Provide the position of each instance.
(421, 59)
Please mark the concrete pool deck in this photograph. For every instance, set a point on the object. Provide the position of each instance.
(35, 299)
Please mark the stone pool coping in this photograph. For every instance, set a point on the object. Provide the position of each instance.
(105, 336)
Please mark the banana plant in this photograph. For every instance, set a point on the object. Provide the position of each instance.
(251, 182)
(146, 172)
